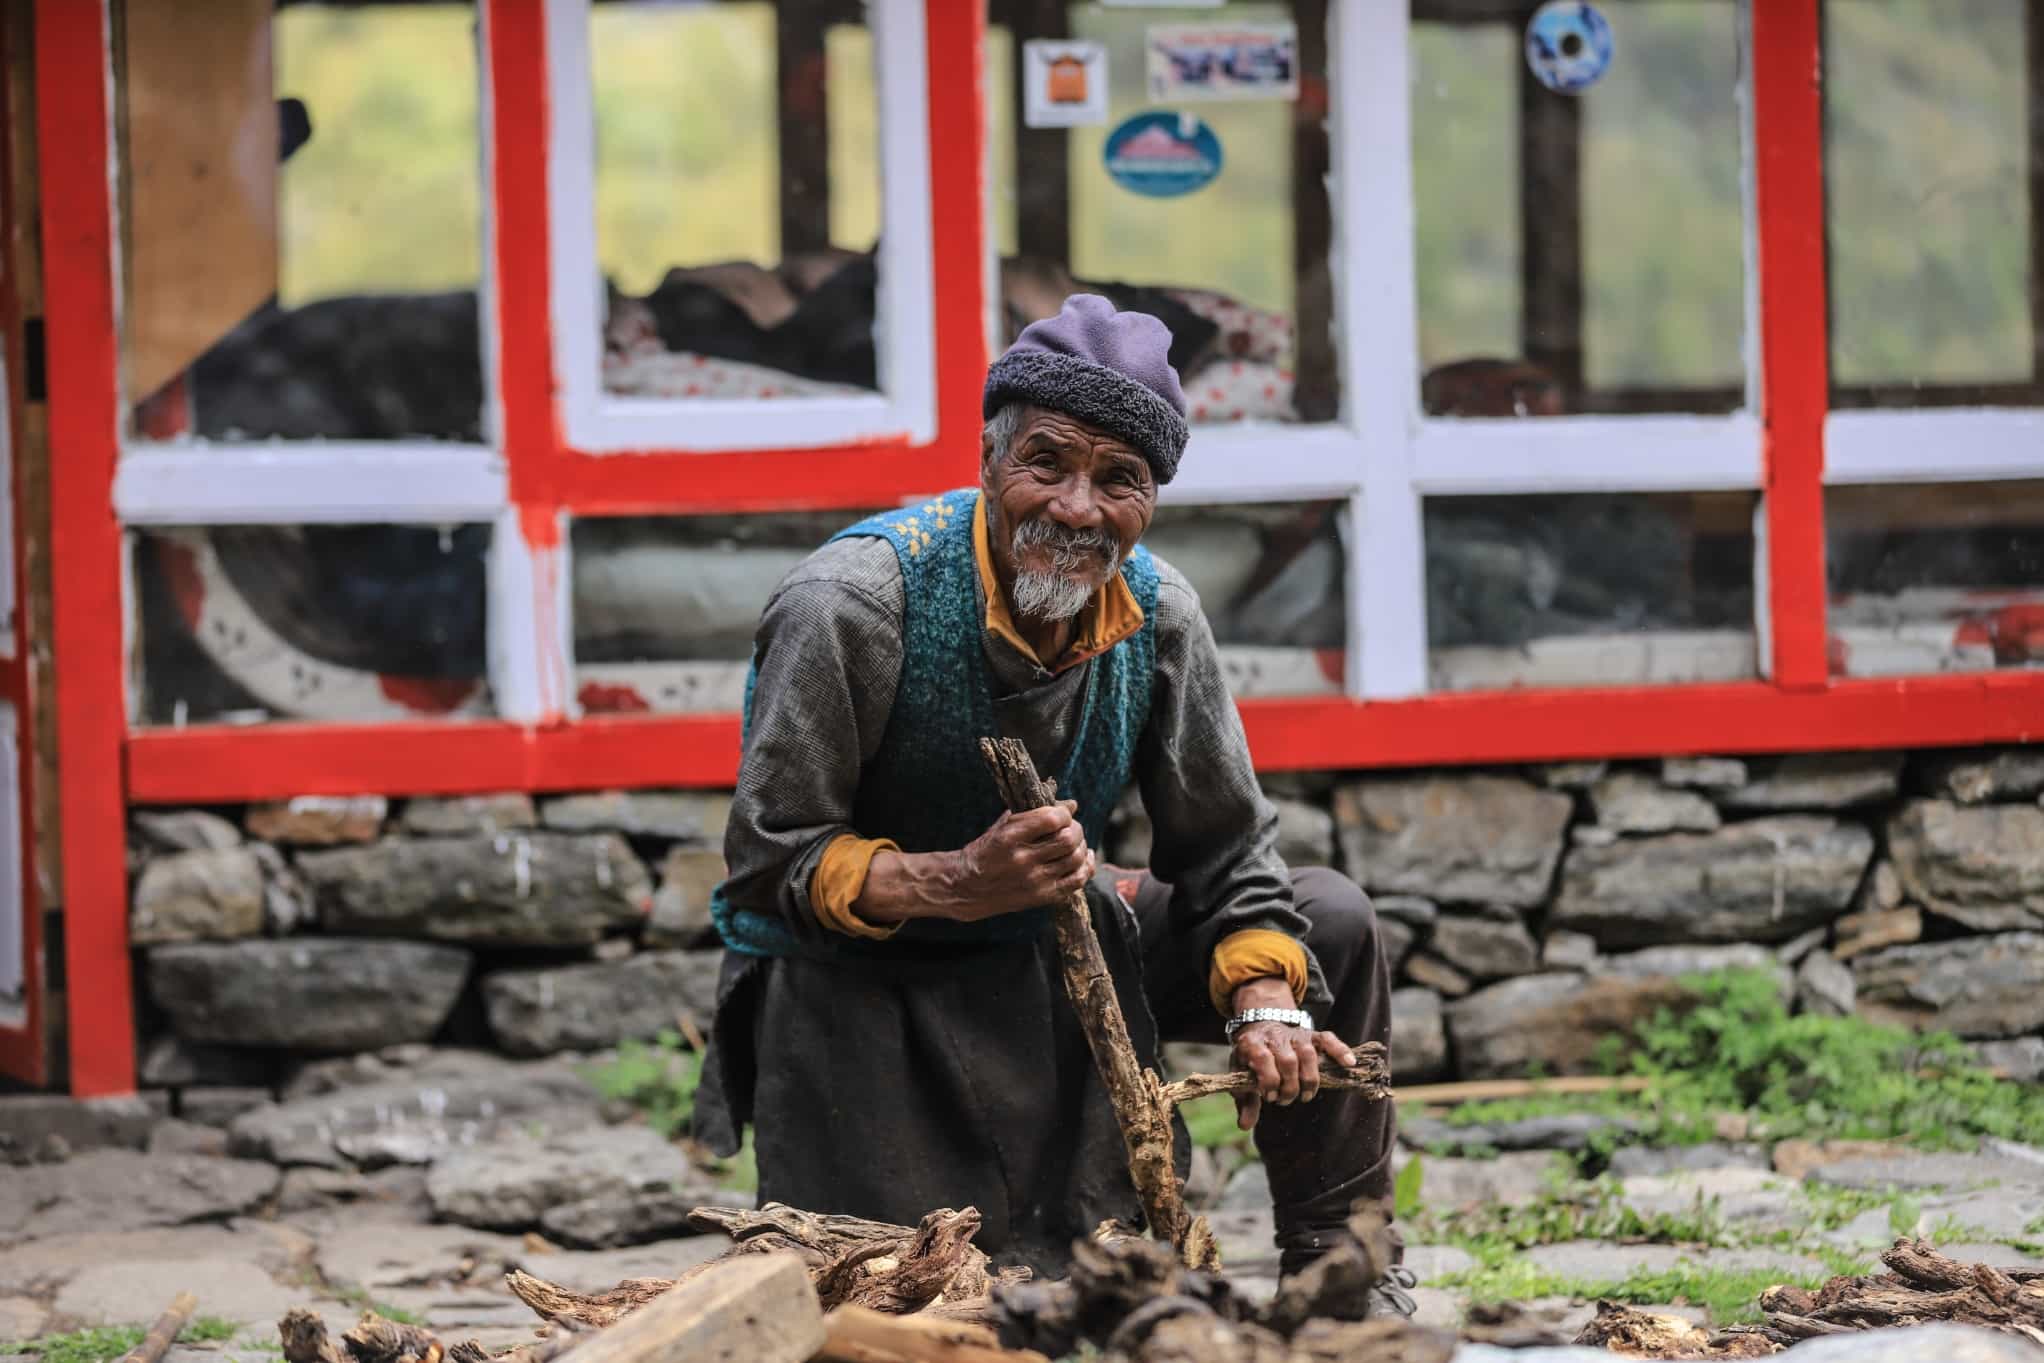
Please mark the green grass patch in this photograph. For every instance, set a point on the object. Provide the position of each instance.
(1730, 1295)
(659, 1078)
(98, 1343)
(93, 1345)
(1738, 1050)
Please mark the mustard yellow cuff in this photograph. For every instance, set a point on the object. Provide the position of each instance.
(1254, 954)
(838, 880)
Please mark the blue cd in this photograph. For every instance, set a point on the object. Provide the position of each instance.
(1568, 45)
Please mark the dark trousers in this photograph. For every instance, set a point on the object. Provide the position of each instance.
(1324, 1155)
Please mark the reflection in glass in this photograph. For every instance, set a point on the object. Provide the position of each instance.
(1250, 307)
(1578, 253)
(1933, 134)
(737, 197)
(320, 622)
(1589, 589)
(1943, 577)
(300, 201)
(666, 607)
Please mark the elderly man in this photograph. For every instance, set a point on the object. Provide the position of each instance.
(891, 1016)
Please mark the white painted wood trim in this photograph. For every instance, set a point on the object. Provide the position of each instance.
(1266, 462)
(905, 330)
(1763, 601)
(1587, 454)
(312, 482)
(511, 635)
(1749, 210)
(1934, 445)
(1378, 340)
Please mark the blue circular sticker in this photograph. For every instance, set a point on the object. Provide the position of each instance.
(1162, 154)
(1568, 45)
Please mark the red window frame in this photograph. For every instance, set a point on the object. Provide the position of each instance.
(105, 766)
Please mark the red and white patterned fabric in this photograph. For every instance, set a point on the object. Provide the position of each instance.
(1238, 390)
(1247, 333)
(636, 364)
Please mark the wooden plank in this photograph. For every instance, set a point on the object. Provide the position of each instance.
(1483, 1090)
(199, 218)
(756, 1307)
(1551, 233)
(858, 1334)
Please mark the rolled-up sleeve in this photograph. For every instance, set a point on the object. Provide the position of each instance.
(1215, 835)
(828, 659)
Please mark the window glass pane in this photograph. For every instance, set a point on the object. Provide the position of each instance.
(1209, 114)
(300, 202)
(1589, 589)
(1933, 132)
(666, 607)
(1944, 577)
(1578, 252)
(737, 197)
(1272, 580)
(240, 624)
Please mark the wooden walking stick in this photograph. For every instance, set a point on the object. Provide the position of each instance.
(1138, 1097)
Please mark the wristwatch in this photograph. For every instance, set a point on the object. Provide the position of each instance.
(1296, 1017)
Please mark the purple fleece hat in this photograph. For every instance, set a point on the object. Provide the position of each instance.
(1109, 369)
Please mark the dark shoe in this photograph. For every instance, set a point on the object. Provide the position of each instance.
(1391, 1296)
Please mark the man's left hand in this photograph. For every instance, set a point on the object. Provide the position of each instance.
(1285, 1059)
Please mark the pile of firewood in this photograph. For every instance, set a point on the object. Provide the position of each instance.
(797, 1286)
(1922, 1287)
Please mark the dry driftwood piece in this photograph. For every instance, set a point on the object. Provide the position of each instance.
(854, 1334)
(1634, 1333)
(1921, 1286)
(1371, 1074)
(1140, 1107)
(372, 1340)
(165, 1331)
(850, 1261)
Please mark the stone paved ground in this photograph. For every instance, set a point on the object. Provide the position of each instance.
(108, 1236)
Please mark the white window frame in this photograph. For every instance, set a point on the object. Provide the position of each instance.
(905, 326)
(204, 483)
(1383, 454)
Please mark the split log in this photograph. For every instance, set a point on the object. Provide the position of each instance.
(1140, 1106)
(855, 1334)
(1370, 1075)
(1649, 1334)
(165, 1331)
(758, 1307)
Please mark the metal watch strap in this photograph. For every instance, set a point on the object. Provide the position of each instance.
(1296, 1017)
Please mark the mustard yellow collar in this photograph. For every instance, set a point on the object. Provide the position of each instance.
(1111, 616)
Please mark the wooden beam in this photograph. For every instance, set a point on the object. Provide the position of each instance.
(803, 116)
(1315, 391)
(1551, 233)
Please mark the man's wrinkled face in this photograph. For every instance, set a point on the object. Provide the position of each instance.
(1066, 503)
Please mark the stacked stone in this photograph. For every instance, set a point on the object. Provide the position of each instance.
(319, 926)
(1532, 915)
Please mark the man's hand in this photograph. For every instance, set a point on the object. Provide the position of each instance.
(1025, 860)
(1285, 1059)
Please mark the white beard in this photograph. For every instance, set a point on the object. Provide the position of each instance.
(1050, 596)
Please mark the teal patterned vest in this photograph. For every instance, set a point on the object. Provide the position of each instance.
(927, 787)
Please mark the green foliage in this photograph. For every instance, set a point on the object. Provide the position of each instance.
(1211, 1122)
(1738, 1050)
(658, 1078)
(1405, 1190)
(92, 1345)
(1730, 1295)
(101, 1342)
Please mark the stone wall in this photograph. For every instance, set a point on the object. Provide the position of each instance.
(1531, 912)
